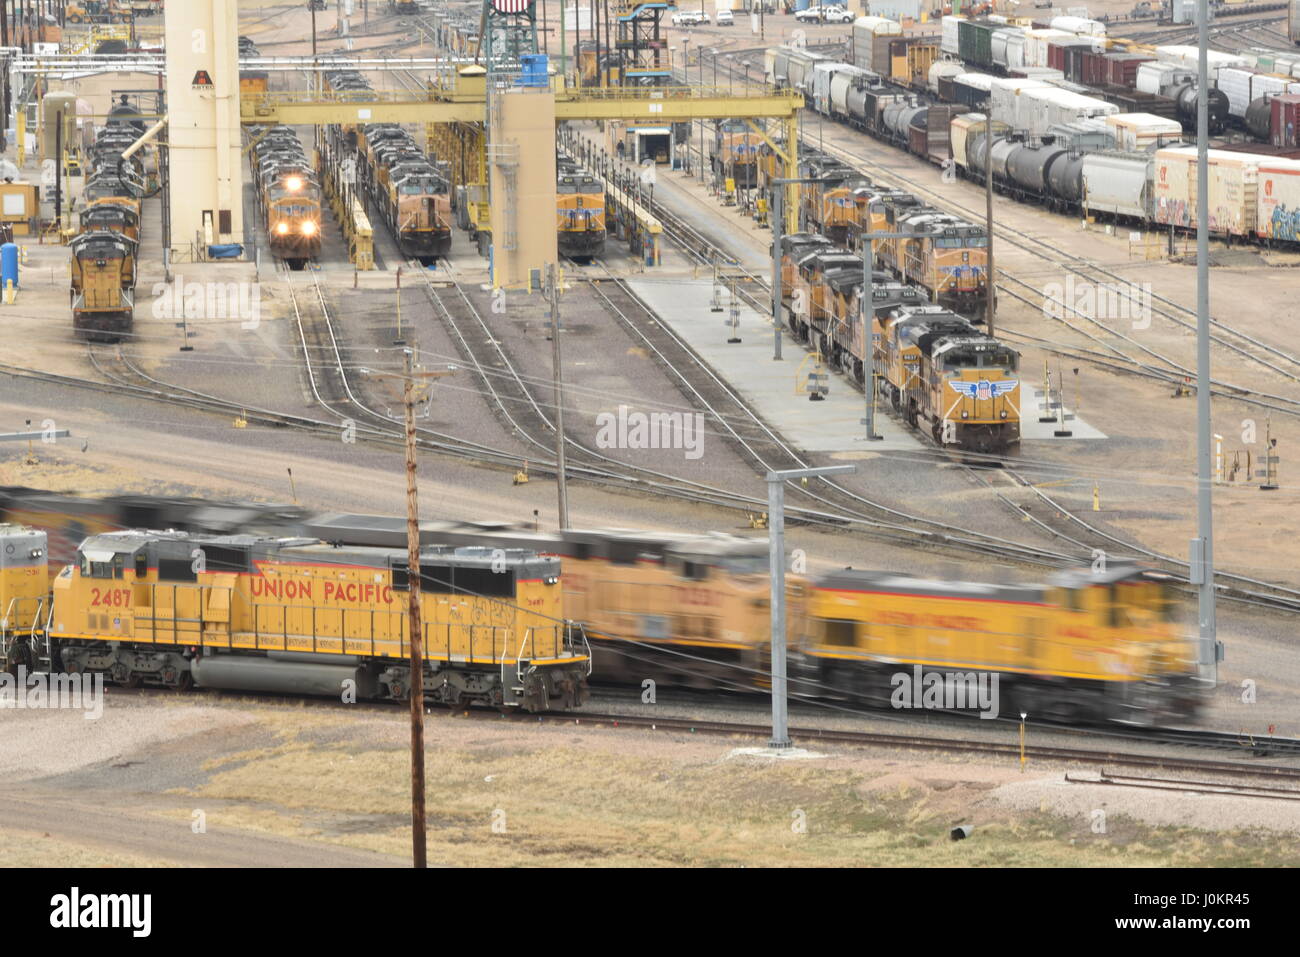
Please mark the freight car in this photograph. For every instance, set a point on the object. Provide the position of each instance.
(579, 212)
(288, 195)
(303, 616)
(411, 193)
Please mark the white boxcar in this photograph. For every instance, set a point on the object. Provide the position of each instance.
(870, 45)
(1005, 93)
(1036, 42)
(1232, 188)
(1137, 132)
(1039, 109)
(1277, 215)
(1079, 26)
(1159, 78)
(1243, 86)
(948, 42)
(1187, 57)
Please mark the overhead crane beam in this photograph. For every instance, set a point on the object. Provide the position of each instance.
(670, 105)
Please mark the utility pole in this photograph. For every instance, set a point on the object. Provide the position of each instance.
(557, 374)
(419, 846)
(419, 849)
(776, 567)
(991, 285)
(1202, 556)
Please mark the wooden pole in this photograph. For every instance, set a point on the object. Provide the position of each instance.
(418, 841)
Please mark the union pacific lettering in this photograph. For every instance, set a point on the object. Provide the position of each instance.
(354, 593)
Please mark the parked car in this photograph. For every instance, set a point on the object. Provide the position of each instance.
(689, 18)
(725, 19)
(837, 15)
(809, 15)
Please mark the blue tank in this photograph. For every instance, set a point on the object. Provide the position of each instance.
(8, 265)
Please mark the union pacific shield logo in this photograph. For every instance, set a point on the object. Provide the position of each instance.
(983, 389)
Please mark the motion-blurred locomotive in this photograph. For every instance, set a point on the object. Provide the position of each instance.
(680, 608)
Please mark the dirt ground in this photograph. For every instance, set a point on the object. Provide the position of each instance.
(166, 782)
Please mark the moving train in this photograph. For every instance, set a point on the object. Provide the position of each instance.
(293, 614)
(579, 212)
(276, 608)
(411, 192)
(288, 194)
(105, 250)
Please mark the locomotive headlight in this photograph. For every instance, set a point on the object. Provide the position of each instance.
(309, 228)
(294, 183)
(1004, 413)
(282, 229)
(965, 415)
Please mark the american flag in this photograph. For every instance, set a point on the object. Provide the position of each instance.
(511, 6)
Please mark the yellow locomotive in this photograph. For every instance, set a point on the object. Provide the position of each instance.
(945, 255)
(102, 294)
(735, 153)
(1083, 647)
(288, 195)
(24, 592)
(580, 212)
(298, 615)
(103, 264)
(943, 375)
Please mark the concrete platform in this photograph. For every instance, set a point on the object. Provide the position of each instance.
(1034, 431)
(832, 425)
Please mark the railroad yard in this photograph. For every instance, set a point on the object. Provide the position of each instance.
(493, 295)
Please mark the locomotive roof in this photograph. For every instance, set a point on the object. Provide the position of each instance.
(975, 342)
(103, 547)
(893, 583)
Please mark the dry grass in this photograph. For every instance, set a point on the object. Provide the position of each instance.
(591, 802)
(37, 849)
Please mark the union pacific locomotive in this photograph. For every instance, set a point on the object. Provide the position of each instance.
(580, 212)
(411, 192)
(735, 153)
(684, 609)
(288, 195)
(297, 615)
(104, 253)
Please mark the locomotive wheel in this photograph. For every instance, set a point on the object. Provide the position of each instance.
(20, 655)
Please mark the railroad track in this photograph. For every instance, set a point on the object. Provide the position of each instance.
(1228, 339)
(1081, 534)
(811, 736)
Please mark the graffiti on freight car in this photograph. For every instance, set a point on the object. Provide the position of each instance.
(1285, 224)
